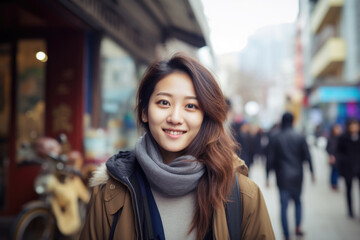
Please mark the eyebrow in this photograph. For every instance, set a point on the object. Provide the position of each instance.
(170, 95)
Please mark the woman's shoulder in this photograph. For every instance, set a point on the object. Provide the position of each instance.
(247, 186)
(240, 166)
(256, 221)
(108, 189)
(252, 199)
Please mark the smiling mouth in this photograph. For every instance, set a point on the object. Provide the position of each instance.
(174, 132)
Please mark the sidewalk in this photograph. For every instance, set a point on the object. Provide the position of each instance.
(324, 211)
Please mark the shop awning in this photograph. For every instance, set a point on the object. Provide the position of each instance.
(326, 94)
(141, 25)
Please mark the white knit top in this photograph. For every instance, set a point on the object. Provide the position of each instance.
(176, 215)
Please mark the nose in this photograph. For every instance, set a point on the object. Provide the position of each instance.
(175, 116)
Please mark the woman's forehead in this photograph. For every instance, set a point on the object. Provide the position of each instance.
(175, 83)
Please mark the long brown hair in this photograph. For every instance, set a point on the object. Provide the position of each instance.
(212, 145)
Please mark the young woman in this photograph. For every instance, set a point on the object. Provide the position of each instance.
(176, 182)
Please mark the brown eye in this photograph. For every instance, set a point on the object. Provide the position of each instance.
(191, 106)
(163, 102)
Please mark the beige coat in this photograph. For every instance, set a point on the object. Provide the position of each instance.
(109, 197)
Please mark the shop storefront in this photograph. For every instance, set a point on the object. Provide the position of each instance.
(333, 104)
(42, 83)
(72, 67)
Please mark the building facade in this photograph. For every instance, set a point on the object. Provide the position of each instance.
(331, 58)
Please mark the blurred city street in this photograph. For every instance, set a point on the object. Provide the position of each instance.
(324, 210)
(71, 71)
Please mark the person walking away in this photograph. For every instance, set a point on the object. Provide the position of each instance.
(288, 151)
(255, 135)
(348, 156)
(270, 134)
(243, 137)
(175, 184)
(318, 132)
(331, 146)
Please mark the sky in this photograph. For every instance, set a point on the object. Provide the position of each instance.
(231, 22)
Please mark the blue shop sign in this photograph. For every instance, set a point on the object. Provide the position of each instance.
(326, 94)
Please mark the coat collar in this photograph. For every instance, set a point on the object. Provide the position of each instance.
(120, 166)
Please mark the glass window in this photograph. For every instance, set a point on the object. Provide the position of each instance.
(118, 89)
(31, 64)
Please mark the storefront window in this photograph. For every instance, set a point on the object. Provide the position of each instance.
(31, 64)
(5, 78)
(117, 125)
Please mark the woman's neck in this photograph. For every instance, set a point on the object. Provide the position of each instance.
(168, 157)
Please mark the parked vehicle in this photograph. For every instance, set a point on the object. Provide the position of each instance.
(61, 208)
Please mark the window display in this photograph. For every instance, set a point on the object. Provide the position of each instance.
(30, 103)
(118, 88)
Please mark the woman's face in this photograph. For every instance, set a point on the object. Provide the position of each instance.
(174, 114)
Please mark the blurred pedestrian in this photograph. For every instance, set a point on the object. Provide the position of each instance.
(255, 138)
(229, 122)
(331, 146)
(288, 150)
(243, 137)
(240, 132)
(348, 157)
(270, 134)
(318, 133)
(175, 184)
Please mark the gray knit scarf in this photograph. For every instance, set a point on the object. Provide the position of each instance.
(175, 179)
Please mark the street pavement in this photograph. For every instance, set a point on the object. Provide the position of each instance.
(324, 210)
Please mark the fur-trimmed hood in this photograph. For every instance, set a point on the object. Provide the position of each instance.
(99, 176)
(119, 166)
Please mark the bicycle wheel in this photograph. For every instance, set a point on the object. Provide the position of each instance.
(36, 223)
